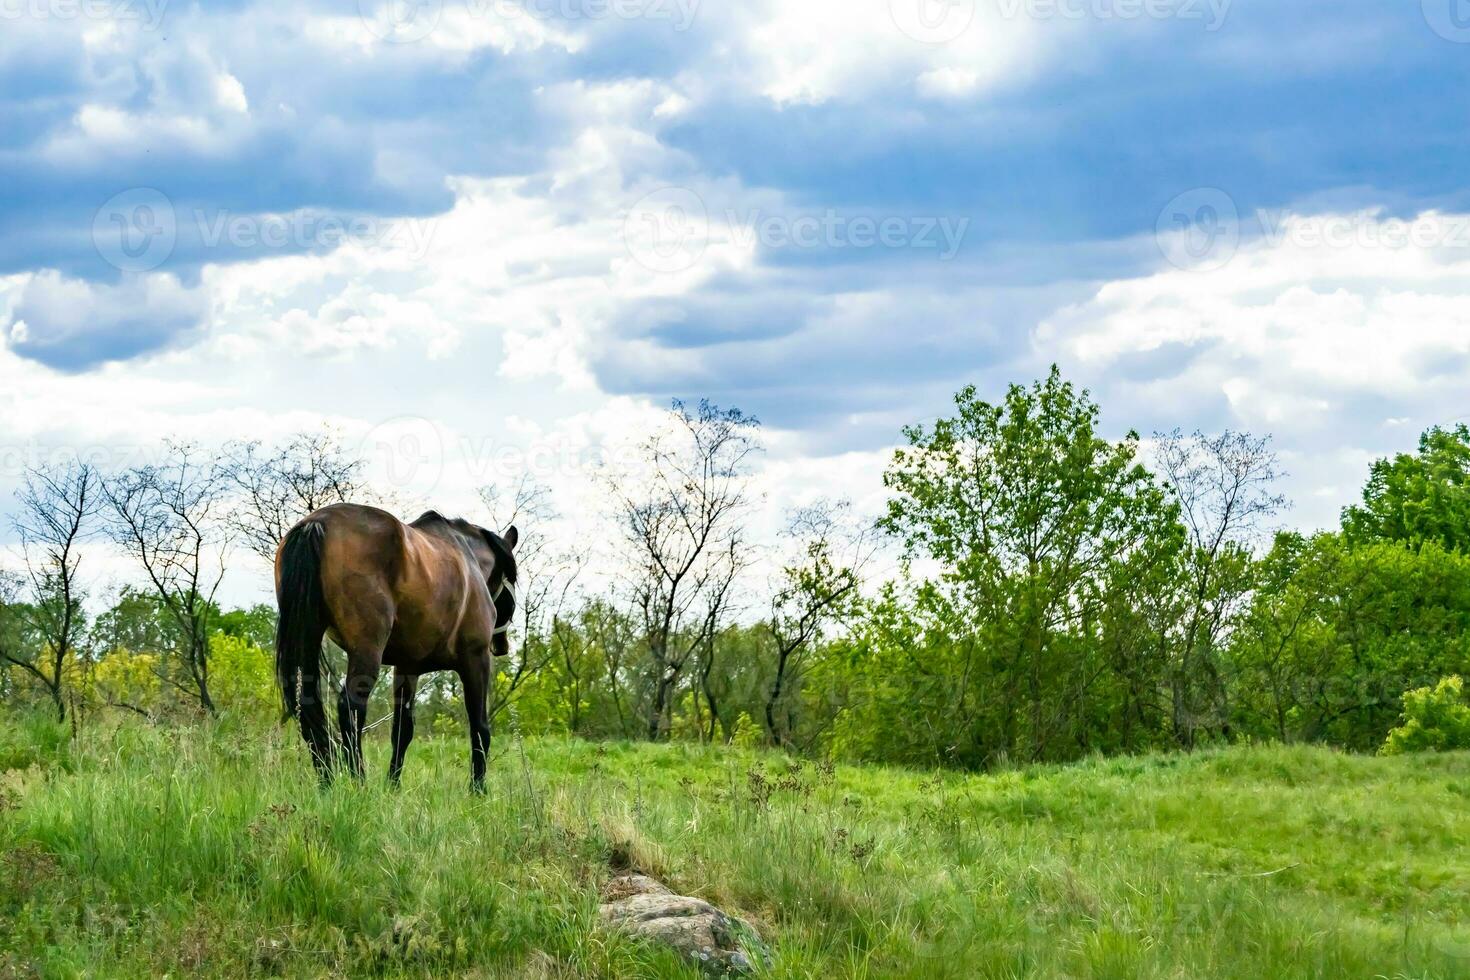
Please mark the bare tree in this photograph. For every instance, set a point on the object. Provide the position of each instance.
(169, 518)
(57, 505)
(1224, 485)
(278, 487)
(547, 577)
(614, 635)
(814, 590)
(719, 602)
(680, 519)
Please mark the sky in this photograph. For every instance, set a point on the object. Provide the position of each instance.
(487, 237)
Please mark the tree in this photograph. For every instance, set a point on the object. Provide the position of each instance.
(817, 588)
(1418, 497)
(276, 488)
(1223, 486)
(1028, 513)
(57, 505)
(169, 518)
(1337, 632)
(678, 510)
(545, 585)
(14, 627)
(1436, 719)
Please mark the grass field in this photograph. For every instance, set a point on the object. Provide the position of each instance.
(210, 851)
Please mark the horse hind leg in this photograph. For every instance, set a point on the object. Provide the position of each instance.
(352, 703)
(405, 686)
(477, 676)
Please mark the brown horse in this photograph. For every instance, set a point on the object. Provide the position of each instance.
(437, 594)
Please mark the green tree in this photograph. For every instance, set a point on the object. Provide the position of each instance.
(256, 625)
(1418, 497)
(1030, 515)
(1436, 719)
(1337, 631)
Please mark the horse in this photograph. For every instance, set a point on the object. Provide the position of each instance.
(436, 594)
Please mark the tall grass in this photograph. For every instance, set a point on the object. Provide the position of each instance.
(211, 851)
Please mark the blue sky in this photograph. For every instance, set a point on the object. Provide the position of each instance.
(530, 222)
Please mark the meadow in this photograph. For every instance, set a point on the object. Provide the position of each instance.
(209, 850)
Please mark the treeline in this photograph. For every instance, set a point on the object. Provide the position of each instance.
(1056, 593)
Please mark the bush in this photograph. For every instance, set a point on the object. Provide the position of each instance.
(1436, 719)
(34, 739)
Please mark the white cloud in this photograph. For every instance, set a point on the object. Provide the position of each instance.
(851, 50)
(1340, 351)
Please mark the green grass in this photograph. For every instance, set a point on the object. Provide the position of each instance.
(210, 851)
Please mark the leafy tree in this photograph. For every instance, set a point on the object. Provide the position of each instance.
(1336, 632)
(256, 625)
(1435, 720)
(1029, 513)
(1418, 497)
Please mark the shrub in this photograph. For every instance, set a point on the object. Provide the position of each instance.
(1436, 719)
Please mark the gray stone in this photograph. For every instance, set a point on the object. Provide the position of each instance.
(721, 944)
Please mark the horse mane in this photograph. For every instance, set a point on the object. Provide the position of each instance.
(504, 557)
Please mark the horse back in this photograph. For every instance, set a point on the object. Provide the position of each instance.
(407, 592)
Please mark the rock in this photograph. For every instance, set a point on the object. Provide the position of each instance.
(721, 944)
(625, 885)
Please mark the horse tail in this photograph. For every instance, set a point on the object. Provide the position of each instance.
(302, 623)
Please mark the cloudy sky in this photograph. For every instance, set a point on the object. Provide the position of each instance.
(480, 236)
